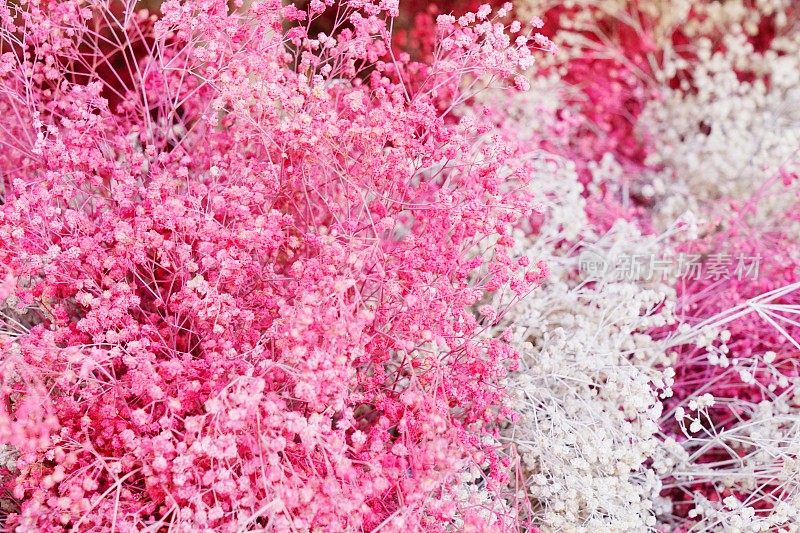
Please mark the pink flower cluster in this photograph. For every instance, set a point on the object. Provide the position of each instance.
(244, 259)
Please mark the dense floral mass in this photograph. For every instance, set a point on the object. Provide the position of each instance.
(381, 265)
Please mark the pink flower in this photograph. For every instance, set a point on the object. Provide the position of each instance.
(249, 269)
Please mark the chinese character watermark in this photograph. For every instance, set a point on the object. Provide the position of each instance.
(647, 267)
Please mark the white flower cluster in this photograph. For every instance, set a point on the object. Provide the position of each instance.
(470, 492)
(755, 451)
(587, 394)
(592, 381)
(731, 129)
(590, 389)
(720, 136)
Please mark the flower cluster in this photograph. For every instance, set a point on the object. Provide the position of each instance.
(692, 105)
(321, 266)
(736, 401)
(243, 262)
